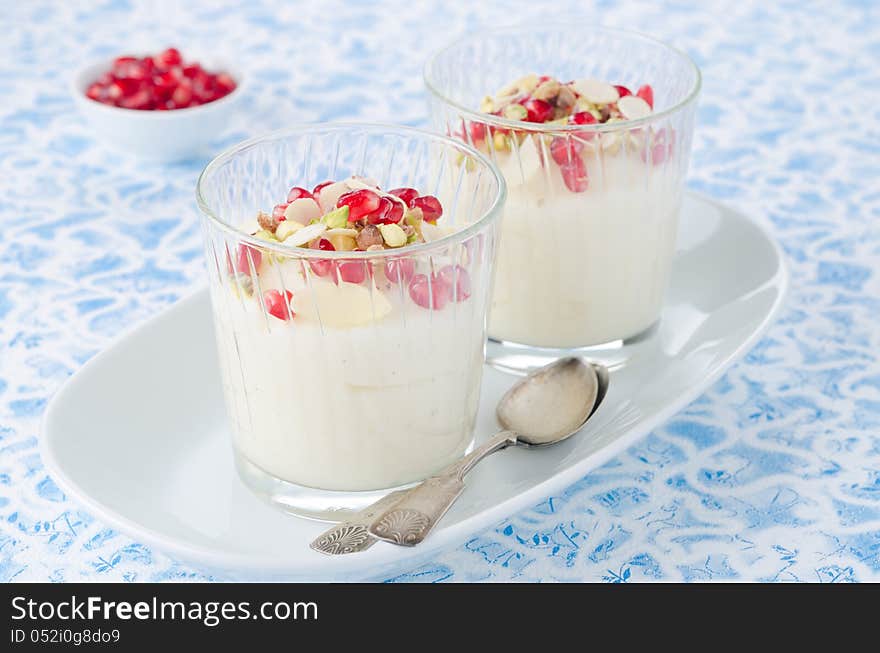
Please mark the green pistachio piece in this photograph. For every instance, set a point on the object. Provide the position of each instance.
(337, 218)
(262, 234)
(515, 112)
(393, 235)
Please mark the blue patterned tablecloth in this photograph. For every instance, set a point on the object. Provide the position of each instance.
(773, 474)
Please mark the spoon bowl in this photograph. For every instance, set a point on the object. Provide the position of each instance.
(550, 404)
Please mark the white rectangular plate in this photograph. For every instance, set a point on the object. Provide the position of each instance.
(139, 434)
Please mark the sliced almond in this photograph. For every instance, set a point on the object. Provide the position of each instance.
(547, 90)
(596, 91)
(303, 210)
(330, 194)
(286, 228)
(632, 107)
(306, 234)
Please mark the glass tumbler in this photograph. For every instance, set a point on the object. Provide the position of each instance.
(349, 373)
(592, 210)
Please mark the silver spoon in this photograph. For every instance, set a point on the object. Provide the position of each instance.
(546, 407)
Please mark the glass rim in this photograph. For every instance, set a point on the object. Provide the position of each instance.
(488, 216)
(521, 125)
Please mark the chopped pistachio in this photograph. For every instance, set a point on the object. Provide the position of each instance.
(337, 218)
(393, 235)
(500, 141)
(262, 234)
(515, 112)
(487, 105)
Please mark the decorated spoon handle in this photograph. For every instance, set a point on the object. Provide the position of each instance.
(410, 520)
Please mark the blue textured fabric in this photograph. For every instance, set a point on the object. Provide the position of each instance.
(773, 474)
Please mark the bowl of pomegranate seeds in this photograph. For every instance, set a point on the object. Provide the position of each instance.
(159, 106)
(592, 135)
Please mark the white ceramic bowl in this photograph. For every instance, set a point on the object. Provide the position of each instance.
(162, 136)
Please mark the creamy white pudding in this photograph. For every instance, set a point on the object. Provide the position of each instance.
(578, 269)
(359, 373)
(590, 222)
(348, 402)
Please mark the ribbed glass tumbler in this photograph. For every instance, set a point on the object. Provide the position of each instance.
(348, 373)
(587, 244)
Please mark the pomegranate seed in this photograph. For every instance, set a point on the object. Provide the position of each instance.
(241, 262)
(661, 146)
(574, 174)
(458, 279)
(352, 272)
(278, 212)
(430, 206)
(182, 95)
(224, 82)
(538, 110)
(477, 131)
(434, 294)
(323, 267)
(565, 149)
(278, 305)
(141, 100)
(191, 70)
(120, 88)
(360, 203)
(318, 188)
(406, 194)
(622, 91)
(121, 63)
(382, 215)
(647, 94)
(583, 118)
(95, 92)
(400, 269)
(296, 193)
(164, 84)
(167, 58)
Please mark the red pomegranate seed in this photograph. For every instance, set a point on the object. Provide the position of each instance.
(477, 131)
(583, 118)
(95, 92)
(182, 96)
(224, 82)
(574, 174)
(564, 149)
(352, 271)
(458, 280)
(167, 58)
(623, 91)
(434, 294)
(661, 146)
(242, 264)
(120, 88)
(278, 212)
(142, 100)
(400, 269)
(278, 305)
(430, 206)
(323, 267)
(538, 110)
(121, 63)
(406, 194)
(360, 203)
(297, 193)
(647, 94)
(164, 84)
(319, 187)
